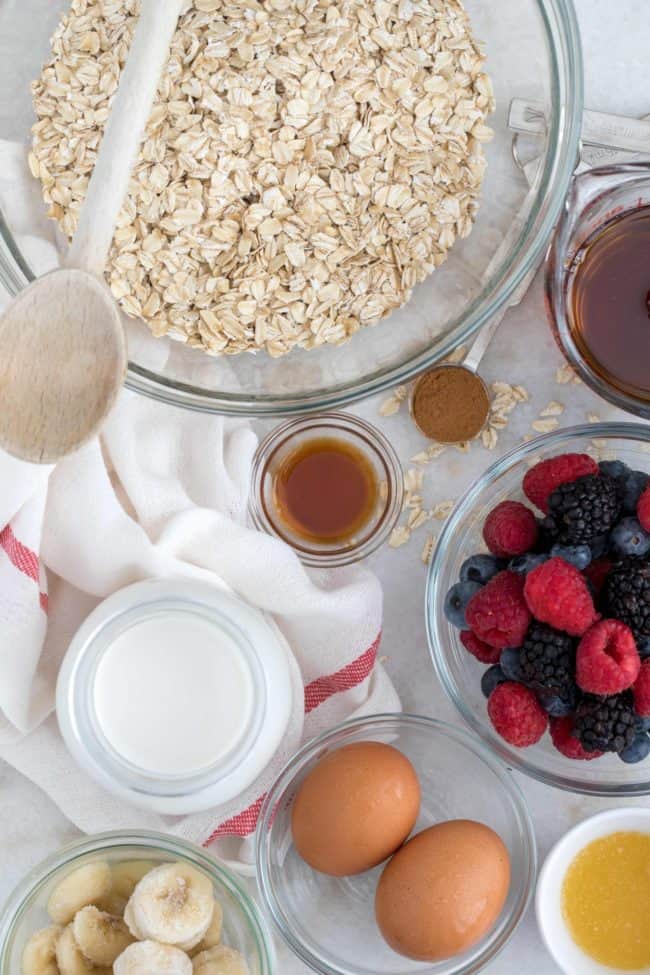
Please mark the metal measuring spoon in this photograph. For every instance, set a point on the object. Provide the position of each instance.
(475, 389)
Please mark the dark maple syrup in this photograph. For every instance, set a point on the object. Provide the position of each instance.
(326, 490)
(610, 302)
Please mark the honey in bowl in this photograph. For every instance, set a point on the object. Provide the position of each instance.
(326, 490)
(610, 302)
(606, 900)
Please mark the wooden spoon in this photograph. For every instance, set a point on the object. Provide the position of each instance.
(63, 353)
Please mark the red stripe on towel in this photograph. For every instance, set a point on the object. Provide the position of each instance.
(23, 558)
(243, 824)
(347, 677)
(318, 691)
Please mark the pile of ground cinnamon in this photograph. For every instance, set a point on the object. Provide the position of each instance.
(450, 404)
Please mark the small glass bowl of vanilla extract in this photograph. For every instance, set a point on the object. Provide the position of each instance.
(329, 485)
(598, 283)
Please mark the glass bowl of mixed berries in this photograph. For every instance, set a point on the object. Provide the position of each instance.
(538, 608)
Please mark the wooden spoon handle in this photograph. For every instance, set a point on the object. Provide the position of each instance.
(125, 129)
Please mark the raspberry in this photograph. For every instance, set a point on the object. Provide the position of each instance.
(510, 529)
(544, 478)
(643, 509)
(498, 614)
(478, 649)
(641, 691)
(516, 714)
(566, 742)
(597, 572)
(557, 594)
(607, 660)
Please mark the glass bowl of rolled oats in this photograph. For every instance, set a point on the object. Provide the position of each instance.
(310, 170)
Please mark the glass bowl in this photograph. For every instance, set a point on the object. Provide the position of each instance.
(595, 199)
(329, 922)
(458, 672)
(533, 52)
(25, 911)
(283, 441)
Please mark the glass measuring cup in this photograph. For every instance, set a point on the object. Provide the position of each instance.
(596, 198)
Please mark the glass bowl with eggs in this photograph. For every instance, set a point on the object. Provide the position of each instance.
(275, 211)
(395, 844)
(132, 902)
(542, 647)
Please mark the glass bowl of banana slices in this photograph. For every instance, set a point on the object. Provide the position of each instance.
(132, 904)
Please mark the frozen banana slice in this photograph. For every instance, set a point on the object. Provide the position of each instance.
(100, 936)
(39, 955)
(85, 885)
(220, 960)
(151, 958)
(212, 936)
(172, 904)
(127, 875)
(70, 959)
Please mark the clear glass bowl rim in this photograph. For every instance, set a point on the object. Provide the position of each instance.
(516, 758)
(376, 723)
(351, 424)
(566, 67)
(20, 899)
(555, 277)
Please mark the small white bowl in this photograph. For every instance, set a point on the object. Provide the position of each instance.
(548, 900)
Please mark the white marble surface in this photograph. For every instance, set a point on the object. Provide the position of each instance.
(616, 38)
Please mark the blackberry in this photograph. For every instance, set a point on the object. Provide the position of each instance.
(627, 595)
(606, 724)
(584, 508)
(547, 659)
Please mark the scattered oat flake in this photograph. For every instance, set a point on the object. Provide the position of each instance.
(417, 518)
(565, 374)
(413, 479)
(552, 409)
(489, 438)
(599, 444)
(545, 426)
(393, 404)
(521, 394)
(442, 510)
(399, 536)
(593, 418)
(427, 548)
(463, 448)
(431, 453)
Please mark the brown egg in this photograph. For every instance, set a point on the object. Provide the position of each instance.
(355, 808)
(443, 890)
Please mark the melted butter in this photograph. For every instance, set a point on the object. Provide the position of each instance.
(606, 900)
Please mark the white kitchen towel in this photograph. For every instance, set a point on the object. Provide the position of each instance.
(163, 493)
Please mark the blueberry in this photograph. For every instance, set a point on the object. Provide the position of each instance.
(637, 751)
(510, 665)
(643, 724)
(558, 705)
(491, 679)
(480, 568)
(599, 546)
(522, 564)
(614, 468)
(628, 538)
(578, 555)
(456, 602)
(631, 490)
(643, 646)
